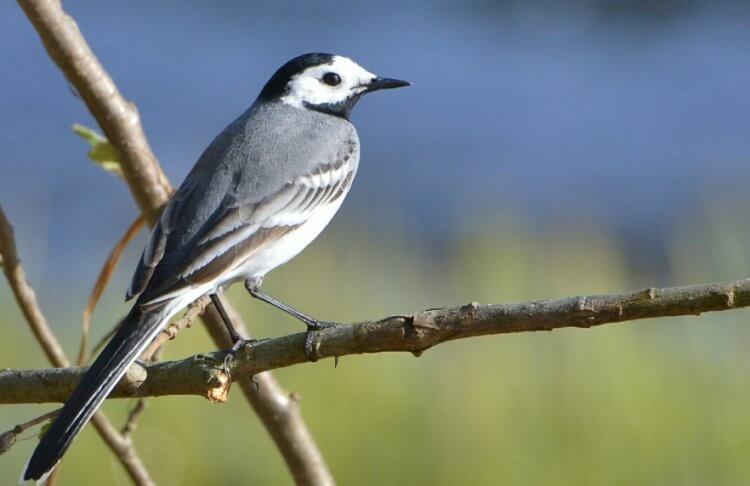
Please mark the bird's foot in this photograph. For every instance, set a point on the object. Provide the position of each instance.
(311, 345)
(239, 343)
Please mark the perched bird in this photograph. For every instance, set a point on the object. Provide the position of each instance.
(259, 194)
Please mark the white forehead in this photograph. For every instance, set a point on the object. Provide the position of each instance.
(306, 87)
(345, 67)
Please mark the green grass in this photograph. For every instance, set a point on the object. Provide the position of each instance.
(652, 402)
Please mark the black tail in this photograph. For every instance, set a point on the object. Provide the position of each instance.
(130, 340)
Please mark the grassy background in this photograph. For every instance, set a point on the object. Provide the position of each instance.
(657, 402)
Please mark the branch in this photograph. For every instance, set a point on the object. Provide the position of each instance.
(117, 117)
(26, 299)
(170, 332)
(105, 275)
(209, 375)
(119, 120)
(278, 410)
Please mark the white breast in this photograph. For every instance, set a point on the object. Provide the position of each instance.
(291, 244)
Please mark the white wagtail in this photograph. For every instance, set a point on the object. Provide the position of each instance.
(260, 193)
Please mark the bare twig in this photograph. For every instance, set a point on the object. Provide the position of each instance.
(169, 333)
(54, 476)
(120, 122)
(153, 353)
(278, 409)
(133, 415)
(209, 374)
(105, 275)
(26, 299)
(8, 438)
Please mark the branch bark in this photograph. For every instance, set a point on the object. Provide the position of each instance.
(26, 299)
(278, 409)
(209, 375)
(117, 117)
(120, 122)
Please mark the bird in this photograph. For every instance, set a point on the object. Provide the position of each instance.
(262, 190)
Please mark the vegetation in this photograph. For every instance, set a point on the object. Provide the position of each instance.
(621, 404)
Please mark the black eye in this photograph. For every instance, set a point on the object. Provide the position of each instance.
(331, 79)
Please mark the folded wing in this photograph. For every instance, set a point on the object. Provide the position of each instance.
(237, 230)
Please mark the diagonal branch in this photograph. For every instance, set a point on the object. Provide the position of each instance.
(120, 122)
(278, 409)
(209, 375)
(26, 299)
(117, 117)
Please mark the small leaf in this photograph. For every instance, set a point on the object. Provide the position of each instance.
(43, 430)
(103, 153)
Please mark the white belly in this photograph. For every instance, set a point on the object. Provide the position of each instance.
(285, 248)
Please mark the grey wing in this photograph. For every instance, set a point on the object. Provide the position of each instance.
(258, 180)
(157, 243)
(239, 229)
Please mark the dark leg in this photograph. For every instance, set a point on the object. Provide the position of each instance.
(237, 340)
(253, 286)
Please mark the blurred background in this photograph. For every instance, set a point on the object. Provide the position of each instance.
(545, 149)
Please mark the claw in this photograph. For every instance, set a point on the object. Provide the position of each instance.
(238, 344)
(228, 358)
(311, 348)
(310, 351)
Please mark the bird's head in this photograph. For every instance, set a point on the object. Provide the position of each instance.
(324, 82)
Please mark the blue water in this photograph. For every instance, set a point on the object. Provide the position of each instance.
(622, 116)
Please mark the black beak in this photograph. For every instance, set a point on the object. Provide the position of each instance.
(385, 83)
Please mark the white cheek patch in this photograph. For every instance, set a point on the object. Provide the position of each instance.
(307, 87)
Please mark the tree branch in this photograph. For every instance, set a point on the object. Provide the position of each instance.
(26, 299)
(278, 409)
(209, 375)
(117, 117)
(120, 122)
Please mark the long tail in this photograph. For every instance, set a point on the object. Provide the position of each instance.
(130, 340)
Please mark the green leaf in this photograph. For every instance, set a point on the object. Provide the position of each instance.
(103, 153)
(43, 430)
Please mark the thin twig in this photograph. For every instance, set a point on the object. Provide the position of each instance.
(153, 353)
(105, 275)
(133, 415)
(54, 476)
(278, 409)
(8, 438)
(209, 375)
(170, 332)
(26, 299)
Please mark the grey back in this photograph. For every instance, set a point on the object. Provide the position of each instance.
(253, 158)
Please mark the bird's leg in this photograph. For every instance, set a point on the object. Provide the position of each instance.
(237, 340)
(253, 287)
